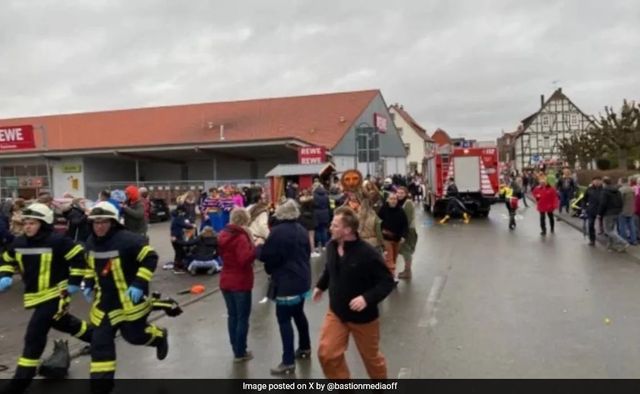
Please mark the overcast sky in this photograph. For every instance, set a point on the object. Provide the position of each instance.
(472, 68)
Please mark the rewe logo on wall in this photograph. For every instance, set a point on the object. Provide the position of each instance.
(17, 137)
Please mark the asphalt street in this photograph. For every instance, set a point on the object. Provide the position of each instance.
(484, 302)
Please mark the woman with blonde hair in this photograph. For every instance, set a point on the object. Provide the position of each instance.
(16, 217)
(237, 252)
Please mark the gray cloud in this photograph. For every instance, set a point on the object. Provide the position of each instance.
(472, 68)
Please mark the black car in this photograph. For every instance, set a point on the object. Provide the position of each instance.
(158, 210)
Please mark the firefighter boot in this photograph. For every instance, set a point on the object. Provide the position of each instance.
(162, 348)
(466, 218)
(444, 219)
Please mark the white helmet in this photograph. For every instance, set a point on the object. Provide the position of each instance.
(104, 210)
(38, 211)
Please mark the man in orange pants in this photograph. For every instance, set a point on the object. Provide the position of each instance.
(357, 279)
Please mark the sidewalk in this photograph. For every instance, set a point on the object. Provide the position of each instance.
(576, 223)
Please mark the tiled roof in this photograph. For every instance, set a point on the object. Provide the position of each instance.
(422, 132)
(321, 119)
(441, 137)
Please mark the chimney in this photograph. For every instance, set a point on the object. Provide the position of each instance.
(541, 100)
(559, 90)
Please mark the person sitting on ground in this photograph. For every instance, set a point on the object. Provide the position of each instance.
(179, 223)
(204, 256)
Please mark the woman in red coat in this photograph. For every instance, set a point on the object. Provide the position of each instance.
(237, 252)
(547, 200)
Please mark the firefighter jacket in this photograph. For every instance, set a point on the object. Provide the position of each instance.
(117, 261)
(48, 263)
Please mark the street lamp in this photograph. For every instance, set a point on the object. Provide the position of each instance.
(364, 127)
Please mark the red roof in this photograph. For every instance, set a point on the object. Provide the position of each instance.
(321, 119)
(422, 132)
(441, 137)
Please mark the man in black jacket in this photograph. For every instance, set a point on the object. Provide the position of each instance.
(591, 206)
(358, 280)
(610, 209)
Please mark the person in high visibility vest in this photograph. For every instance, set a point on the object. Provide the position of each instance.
(121, 268)
(52, 267)
(511, 200)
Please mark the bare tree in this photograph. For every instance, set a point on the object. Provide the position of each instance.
(620, 133)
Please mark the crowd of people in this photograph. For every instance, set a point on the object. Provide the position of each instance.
(103, 252)
(607, 208)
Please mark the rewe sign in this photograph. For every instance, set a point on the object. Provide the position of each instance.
(312, 155)
(17, 137)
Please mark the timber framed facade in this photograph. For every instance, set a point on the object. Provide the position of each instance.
(540, 134)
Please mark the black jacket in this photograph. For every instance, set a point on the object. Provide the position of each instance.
(395, 224)
(48, 262)
(206, 248)
(119, 254)
(360, 272)
(286, 254)
(452, 190)
(321, 209)
(591, 200)
(78, 229)
(611, 201)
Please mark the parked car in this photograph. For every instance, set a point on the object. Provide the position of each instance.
(159, 210)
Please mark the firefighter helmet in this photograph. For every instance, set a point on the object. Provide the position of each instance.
(104, 210)
(38, 211)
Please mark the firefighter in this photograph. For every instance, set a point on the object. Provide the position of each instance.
(121, 266)
(511, 200)
(52, 267)
(454, 205)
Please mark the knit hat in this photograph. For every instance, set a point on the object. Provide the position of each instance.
(287, 211)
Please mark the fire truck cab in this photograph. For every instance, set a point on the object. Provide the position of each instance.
(475, 171)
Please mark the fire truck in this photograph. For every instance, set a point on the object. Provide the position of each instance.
(475, 171)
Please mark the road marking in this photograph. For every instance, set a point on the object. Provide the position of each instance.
(428, 319)
(405, 373)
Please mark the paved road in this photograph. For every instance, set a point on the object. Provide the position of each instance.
(484, 303)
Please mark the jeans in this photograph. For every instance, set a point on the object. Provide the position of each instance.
(565, 200)
(238, 309)
(591, 226)
(285, 313)
(627, 228)
(322, 235)
(614, 240)
(543, 223)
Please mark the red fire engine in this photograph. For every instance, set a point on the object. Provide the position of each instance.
(475, 171)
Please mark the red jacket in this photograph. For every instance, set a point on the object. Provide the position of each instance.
(236, 249)
(547, 198)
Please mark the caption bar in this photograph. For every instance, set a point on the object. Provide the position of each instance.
(318, 386)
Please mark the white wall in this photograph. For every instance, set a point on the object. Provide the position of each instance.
(71, 182)
(395, 165)
(411, 137)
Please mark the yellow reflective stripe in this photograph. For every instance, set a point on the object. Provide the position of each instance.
(143, 253)
(8, 268)
(120, 282)
(83, 329)
(32, 299)
(90, 272)
(139, 311)
(77, 272)
(20, 264)
(28, 362)
(7, 257)
(96, 316)
(154, 330)
(145, 274)
(103, 366)
(73, 252)
(45, 271)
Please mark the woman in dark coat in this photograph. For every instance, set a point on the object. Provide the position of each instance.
(307, 218)
(395, 229)
(321, 214)
(286, 258)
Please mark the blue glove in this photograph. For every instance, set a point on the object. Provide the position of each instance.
(73, 289)
(88, 294)
(135, 294)
(5, 283)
